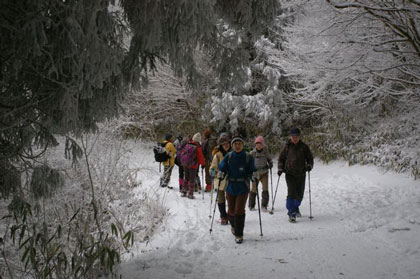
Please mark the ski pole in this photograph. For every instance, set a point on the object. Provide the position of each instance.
(215, 203)
(275, 194)
(310, 201)
(259, 210)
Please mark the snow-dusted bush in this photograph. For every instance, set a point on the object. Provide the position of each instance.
(81, 229)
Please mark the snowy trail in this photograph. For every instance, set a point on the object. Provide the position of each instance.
(366, 225)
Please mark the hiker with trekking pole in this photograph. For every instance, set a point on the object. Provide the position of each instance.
(263, 163)
(219, 152)
(295, 160)
(239, 167)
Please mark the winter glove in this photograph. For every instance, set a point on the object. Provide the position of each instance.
(254, 179)
(213, 172)
(270, 165)
(221, 175)
(279, 172)
(308, 168)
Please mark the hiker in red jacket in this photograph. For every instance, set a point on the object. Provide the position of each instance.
(191, 158)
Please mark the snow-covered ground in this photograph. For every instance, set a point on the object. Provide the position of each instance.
(366, 225)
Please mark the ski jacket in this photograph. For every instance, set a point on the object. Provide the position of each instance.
(217, 158)
(239, 171)
(262, 160)
(199, 154)
(171, 150)
(294, 158)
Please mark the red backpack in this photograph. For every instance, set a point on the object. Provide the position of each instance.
(188, 156)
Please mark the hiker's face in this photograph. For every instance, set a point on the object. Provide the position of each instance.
(259, 146)
(238, 146)
(294, 139)
(226, 146)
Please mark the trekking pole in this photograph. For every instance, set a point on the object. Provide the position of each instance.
(203, 188)
(211, 193)
(271, 179)
(274, 198)
(310, 201)
(259, 211)
(215, 203)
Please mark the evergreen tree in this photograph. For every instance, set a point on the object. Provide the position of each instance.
(65, 64)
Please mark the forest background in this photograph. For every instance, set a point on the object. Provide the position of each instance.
(77, 77)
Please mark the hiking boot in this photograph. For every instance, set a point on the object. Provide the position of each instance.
(251, 208)
(183, 195)
(163, 185)
(298, 213)
(239, 239)
(191, 197)
(224, 221)
(292, 219)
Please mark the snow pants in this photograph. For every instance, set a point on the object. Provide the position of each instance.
(295, 191)
(236, 212)
(166, 177)
(189, 181)
(265, 196)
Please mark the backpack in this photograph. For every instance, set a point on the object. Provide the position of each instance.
(188, 156)
(160, 152)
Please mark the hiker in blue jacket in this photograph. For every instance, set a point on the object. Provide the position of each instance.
(239, 166)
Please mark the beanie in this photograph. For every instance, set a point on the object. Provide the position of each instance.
(197, 138)
(237, 138)
(259, 139)
(294, 131)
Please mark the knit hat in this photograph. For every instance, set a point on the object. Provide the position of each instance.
(294, 131)
(237, 138)
(223, 138)
(259, 139)
(168, 136)
(197, 138)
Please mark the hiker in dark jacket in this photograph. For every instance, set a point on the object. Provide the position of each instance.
(239, 166)
(180, 143)
(191, 171)
(263, 163)
(295, 160)
(208, 144)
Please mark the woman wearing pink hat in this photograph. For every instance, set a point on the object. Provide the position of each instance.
(263, 163)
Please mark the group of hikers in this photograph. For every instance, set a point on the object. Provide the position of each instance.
(235, 173)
